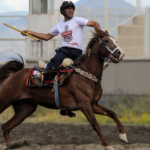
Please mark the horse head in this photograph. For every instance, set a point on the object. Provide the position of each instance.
(106, 47)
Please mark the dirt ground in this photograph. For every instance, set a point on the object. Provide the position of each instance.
(50, 136)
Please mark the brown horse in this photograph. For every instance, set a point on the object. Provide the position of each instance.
(77, 93)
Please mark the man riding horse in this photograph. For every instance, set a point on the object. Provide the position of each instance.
(72, 39)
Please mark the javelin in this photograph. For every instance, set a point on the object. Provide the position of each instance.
(21, 31)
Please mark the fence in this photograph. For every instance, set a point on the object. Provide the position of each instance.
(11, 41)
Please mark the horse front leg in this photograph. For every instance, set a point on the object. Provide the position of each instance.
(88, 112)
(103, 111)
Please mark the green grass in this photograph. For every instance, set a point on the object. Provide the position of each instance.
(131, 110)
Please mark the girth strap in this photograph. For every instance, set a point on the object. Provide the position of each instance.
(56, 95)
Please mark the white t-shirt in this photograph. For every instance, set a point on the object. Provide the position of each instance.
(71, 32)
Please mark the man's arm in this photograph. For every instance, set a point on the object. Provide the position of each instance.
(95, 25)
(42, 36)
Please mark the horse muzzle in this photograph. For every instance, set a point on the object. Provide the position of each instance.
(117, 56)
(122, 54)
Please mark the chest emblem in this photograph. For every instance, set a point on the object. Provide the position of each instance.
(67, 34)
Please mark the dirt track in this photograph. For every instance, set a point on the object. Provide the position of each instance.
(47, 136)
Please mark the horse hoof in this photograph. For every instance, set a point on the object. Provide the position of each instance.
(109, 148)
(123, 137)
(8, 145)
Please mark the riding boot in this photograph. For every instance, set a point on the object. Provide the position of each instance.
(67, 113)
(38, 80)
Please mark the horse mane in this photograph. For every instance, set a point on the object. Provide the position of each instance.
(95, 36)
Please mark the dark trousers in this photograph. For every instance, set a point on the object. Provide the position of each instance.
(61, 54)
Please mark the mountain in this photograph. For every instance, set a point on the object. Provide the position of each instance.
(15, 13)
(101, 4)
(97, 7)
(97, 11)
(80, 2)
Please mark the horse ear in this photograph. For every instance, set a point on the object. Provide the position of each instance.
(106, 31)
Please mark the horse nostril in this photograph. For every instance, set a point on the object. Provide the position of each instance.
(119, 53)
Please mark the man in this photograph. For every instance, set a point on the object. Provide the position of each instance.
(72, 38)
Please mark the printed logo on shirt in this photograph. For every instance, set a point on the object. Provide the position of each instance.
(67, 34)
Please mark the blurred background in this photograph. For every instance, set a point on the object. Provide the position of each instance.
(126, 86)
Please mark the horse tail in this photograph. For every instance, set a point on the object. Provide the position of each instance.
(10, 68)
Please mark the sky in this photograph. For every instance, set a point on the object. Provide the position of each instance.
(13, 5)
(22, 5)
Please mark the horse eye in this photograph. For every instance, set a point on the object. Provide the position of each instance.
(106, 41)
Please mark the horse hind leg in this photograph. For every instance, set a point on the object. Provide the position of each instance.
(22, 111)
(3, 102)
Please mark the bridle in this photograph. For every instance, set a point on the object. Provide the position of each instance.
(111, 51)
(108, 60)
(108, 49)
(104, 58)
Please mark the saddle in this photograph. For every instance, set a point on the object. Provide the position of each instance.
(59, 74)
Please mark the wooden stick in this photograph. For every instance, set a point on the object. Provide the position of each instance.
(21, 31)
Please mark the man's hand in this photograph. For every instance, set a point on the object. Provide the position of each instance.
(42, 36)
(26, 31)
(94, 24)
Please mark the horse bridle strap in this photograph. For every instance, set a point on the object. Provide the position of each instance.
(111, 51)
(107, 59)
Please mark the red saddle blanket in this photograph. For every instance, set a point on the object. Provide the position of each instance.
(61, 76)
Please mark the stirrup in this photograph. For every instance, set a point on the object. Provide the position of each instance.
(38, 80)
